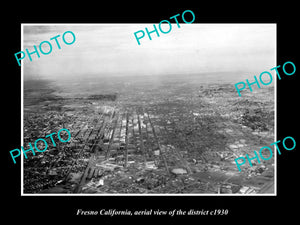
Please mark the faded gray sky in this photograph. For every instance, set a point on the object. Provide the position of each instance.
(111, 49)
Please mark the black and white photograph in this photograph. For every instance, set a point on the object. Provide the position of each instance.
(107, 113)
(149, 113)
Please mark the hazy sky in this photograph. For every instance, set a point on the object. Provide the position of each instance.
(111, 49)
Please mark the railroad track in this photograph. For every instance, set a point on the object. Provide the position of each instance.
(124, 138)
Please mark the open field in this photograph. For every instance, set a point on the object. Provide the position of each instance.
(154, 135)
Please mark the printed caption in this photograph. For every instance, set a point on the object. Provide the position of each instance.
(153, 212)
